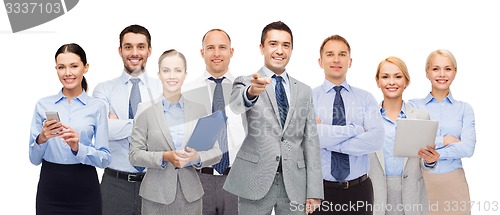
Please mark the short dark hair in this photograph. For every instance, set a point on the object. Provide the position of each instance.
(278, 25)
(78, 50)
(136, 29)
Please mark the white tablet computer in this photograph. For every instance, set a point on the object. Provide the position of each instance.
(413, 135)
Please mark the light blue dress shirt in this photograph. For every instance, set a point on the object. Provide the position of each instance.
(393, 165)
(456, 119)
(174, 115)
(87, 116)
(269, 73)
(115, 93)
(362, 134)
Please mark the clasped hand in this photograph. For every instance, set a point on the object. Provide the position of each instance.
(179, 158)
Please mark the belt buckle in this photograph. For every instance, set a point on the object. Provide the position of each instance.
(346, 185)
(129, 178)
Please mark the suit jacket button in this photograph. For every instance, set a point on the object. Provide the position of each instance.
(405, 176)
(277, 158)
(282, 139)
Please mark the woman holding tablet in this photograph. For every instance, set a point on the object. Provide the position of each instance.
(456, 137)
(398, 185)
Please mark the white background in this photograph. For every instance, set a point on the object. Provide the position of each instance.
(375, 30)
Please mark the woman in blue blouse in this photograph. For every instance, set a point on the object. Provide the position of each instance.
(447, 186)
(69, 150)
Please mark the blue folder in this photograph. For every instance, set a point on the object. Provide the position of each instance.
(207, 131)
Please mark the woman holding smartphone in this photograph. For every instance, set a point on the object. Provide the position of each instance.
(456, 137)
(70, 148)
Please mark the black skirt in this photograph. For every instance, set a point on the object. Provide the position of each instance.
(68, 189)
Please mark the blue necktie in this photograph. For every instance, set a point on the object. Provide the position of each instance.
(219, 104)
(281, 99)
(340, 162)
(135, 99)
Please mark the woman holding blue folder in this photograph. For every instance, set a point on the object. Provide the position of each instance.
(398, 184)
(161, 131)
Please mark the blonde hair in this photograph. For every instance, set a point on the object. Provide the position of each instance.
(444, 53)
(399, 63)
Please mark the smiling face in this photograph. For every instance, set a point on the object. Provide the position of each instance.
(277, 50)
(134, 51)
(335, 60)
(392, 81)
(441, 72)
(172, 74)
(217, 52)
(70, 70)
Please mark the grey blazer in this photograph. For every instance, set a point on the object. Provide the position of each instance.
(413, 186)
(150, 138)
(256, 163)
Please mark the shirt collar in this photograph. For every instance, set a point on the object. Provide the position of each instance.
(82, 98)
(125, 77)
(429, 98)
(402, 113)
(270, 74)
(168, 106)
(327, 86)
(229, 78)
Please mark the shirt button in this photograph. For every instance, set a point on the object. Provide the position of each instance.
(277, 158)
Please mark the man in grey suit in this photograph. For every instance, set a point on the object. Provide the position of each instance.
(278, 165)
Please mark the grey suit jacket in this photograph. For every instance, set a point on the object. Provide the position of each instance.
(150, 138)
(413, 186)
(256, 163)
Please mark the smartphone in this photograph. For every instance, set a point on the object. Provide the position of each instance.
(52, 115)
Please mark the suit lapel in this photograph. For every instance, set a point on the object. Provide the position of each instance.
(410, 114)
(160, 118)
(271, 95)
(293, 94)
(380, 157)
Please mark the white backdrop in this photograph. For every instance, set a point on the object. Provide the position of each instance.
(375, 30)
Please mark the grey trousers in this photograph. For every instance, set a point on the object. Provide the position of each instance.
(120, 196)
(276, 199)
(216, 200)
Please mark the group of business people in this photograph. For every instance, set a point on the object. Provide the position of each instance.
(286, 147)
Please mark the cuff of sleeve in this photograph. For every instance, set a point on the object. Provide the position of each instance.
(164, 164)
(432, 165)
(248, 102)
(198, 165)
(439, 142)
